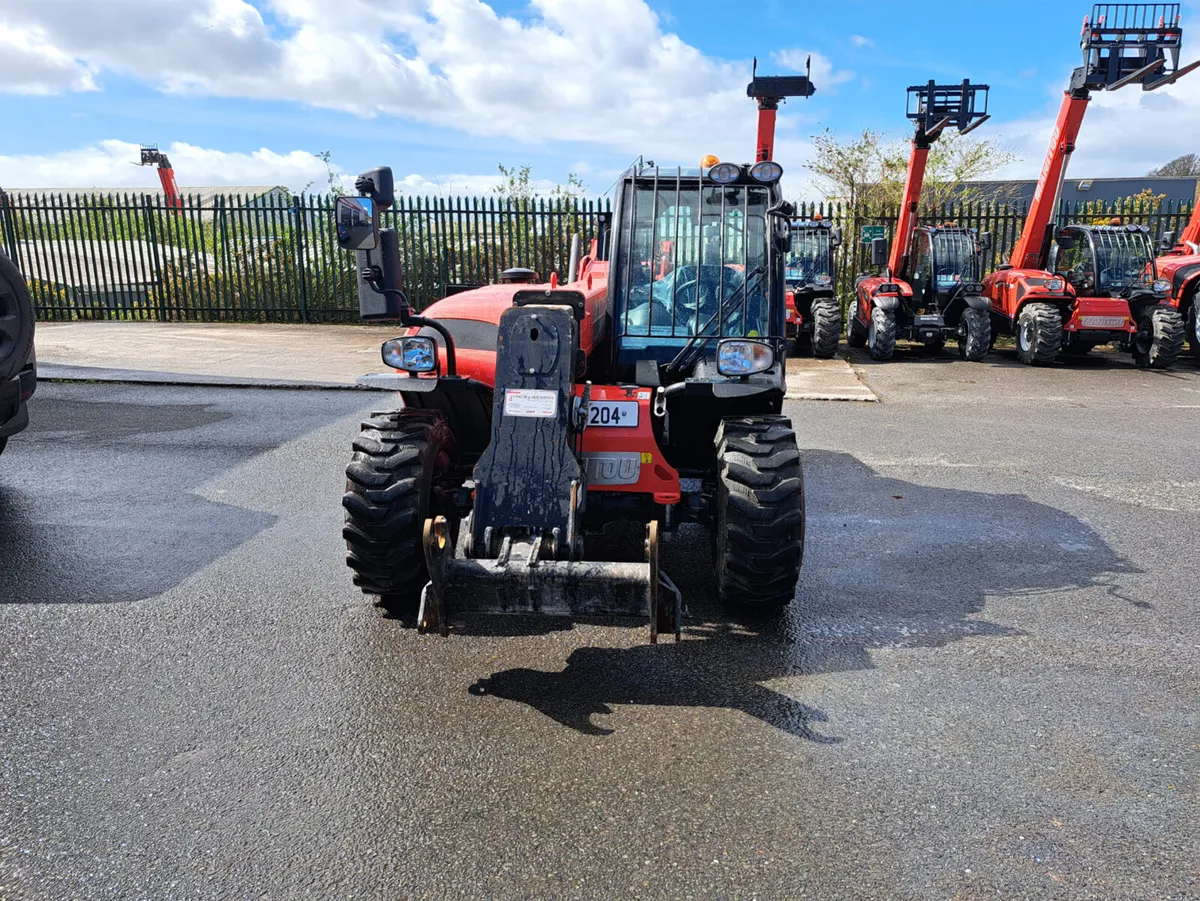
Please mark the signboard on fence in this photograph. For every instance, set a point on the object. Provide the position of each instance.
(871, 232)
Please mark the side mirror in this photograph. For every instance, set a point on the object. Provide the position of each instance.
(378, 185)
(836, 236)
(879, 252)
(985, 240)
(1167, 241)
(357, 221)
(1065, 241)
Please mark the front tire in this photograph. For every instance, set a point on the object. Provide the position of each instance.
(1159, 339)
(881, 336)
(856, 332)
(396, 479)
(1193, 321)
(974, 335)
(1039, 334)
(826, 327)
(760, 512)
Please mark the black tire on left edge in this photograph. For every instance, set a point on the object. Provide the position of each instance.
(395, 481)
(16, 319)
(760, 512)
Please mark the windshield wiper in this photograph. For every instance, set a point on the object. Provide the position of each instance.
(685, 356)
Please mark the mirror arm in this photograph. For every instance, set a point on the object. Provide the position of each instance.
(371, 275)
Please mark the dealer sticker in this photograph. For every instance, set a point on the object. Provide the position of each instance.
(1102, 321)
(530, 402)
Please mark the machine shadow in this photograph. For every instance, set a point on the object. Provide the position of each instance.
(95, 506)
(889, 564)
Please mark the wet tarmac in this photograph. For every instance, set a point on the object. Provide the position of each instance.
(987, 686)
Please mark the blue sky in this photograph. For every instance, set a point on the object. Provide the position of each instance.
(444, 90)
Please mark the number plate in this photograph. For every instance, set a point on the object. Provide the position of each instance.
(1102, 321)
(613, 414)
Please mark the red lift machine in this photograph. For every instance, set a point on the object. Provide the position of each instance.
(152, 156)
(1091, 285)
(1180, 267)
(931, 289)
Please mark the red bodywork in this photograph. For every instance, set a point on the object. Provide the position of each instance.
(485, 305)
(1008, 290)
(1182, 268)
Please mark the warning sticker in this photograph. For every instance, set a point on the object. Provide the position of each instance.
(530, 402)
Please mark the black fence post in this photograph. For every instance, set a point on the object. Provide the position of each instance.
(301, 257)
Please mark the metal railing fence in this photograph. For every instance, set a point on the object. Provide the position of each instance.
(273, 258)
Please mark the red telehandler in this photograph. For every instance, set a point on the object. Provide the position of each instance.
(152, 156)
(1089, 285)
(1180, 267)
(646, 389)
(931, 288)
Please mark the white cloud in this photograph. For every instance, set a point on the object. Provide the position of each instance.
(108, 164)
(859, 41)
(1126, 132)
(824, 76)
(29, 64)
(603, 73)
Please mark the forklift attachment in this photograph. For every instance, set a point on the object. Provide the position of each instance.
(520, 580)
(1123, 43)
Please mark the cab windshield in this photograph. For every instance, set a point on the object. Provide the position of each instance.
(692, 259)
(957, 260)
(1123, 259)
(810, 256)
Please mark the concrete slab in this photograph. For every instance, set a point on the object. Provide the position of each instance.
(304, 356)
(319, 356)
(812, 379)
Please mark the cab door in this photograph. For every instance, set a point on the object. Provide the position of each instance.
(924, 291)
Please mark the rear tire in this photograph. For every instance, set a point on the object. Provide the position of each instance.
(760, 512)
(856, 332)
(395, 481)
(974, 335)
(1039, 334)
(3, 444)
(881, 336)
(1159, 339)
(826, 327)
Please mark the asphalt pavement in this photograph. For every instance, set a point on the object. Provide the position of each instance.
(986, 687)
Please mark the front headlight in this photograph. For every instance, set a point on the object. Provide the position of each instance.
(822, 280)
(1162, 286)
(768, 172)
(725, 173)
(739, 357)
(413, 354)
(1055, 284)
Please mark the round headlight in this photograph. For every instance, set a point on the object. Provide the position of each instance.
(413, 354)
(767, 172)
(1162, 286)
(1054, 284)
(725, 173)
(738, 357)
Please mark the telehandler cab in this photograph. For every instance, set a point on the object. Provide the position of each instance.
(1097, 284)
(647, 389)
(1179, 266)
(931, 289)
(813, 313)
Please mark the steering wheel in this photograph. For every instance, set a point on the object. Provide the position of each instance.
(1112, 275)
